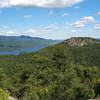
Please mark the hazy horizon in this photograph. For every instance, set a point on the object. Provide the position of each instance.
(48, 37)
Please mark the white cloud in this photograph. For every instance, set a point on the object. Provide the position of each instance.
(84, 21)
(51, 12)
(7, 32)
(65, 14)
(5, 27)
(31, 30)
(98, 13)
(73, 31)
(51, 27)
(10, 32)
(43, 30)
(38, 3)
(97, 26)
(27, 16)
(77, 7)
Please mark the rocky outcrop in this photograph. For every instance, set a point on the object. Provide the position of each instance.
(11, 98)
(80, 41)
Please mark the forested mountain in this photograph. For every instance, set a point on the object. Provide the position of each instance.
(20, 44)
(66, 71)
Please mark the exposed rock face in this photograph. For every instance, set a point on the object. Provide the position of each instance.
(80, 41)
(76, 42)
(11, 98)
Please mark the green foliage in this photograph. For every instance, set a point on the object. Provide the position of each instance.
(87, 56)
(56, 73)
(3, 95)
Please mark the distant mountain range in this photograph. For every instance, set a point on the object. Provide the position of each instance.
(19, 44)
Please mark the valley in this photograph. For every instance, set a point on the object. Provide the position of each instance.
(15, 45)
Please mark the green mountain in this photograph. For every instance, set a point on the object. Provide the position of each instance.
(65, 71)
(83, 50)
(18, 44)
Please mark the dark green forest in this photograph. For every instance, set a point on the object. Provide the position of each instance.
(59, 72)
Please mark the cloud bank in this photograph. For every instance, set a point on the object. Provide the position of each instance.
(38, 3)
(84, 21)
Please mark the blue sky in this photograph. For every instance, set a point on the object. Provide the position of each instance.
(50, 19)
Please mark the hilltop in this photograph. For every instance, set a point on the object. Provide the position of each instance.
(81, 41)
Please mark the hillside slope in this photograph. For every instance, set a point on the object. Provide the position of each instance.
(18, 44)
(85, 51)
(58, 72)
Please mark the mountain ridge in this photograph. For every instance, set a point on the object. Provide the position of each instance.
(9, 44)
(20, 44)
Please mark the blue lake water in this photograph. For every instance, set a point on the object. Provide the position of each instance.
(10, 53)
(26, 50)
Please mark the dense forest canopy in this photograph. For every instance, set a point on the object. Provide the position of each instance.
(59, 72)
